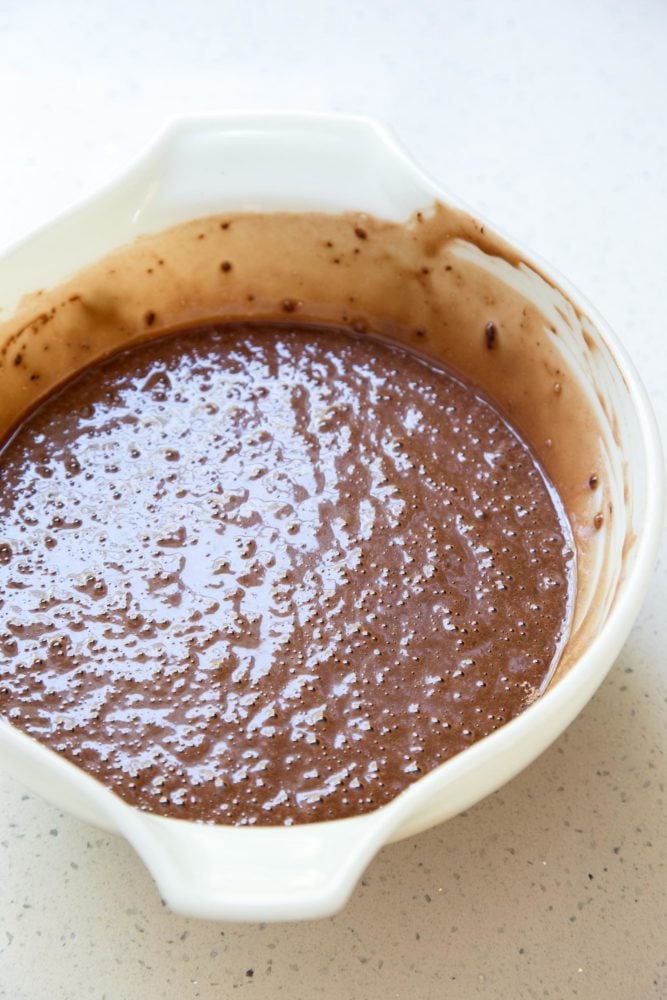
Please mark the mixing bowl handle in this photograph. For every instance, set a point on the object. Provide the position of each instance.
(255, 873)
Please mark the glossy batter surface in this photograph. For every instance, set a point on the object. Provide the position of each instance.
(260, 574)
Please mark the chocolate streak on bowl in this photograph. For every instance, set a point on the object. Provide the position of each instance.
(434, 283)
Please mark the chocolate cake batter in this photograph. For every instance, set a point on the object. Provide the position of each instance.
(272, 574)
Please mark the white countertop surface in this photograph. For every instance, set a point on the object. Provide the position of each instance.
(551, 119)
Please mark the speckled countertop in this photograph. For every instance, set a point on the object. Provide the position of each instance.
(551, 120)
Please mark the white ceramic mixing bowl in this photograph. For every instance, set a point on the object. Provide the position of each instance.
(201, 166)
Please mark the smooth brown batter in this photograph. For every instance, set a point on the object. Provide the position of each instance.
(265, 574)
